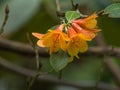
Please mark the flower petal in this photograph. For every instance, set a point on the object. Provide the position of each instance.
(71, 32)
(76, 27)
(40, 43)
(37, 35)
(87, 35)
(83, 46)
(63, 44)
(93, 16)
(76, 45)
(91, 24)
(60, 27)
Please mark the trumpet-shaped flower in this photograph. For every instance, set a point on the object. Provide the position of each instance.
(85, 34)
(76, 44)
(89, 22)
(78, 33)
(54, 39)
(86, 26)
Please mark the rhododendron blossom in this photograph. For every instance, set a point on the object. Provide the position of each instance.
(76, 44)
(71, 38)
(86, 27)
(54, 39)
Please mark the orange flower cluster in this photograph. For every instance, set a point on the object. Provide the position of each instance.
(74, 40)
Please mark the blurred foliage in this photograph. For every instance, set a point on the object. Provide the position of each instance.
(110, 29)
(113, 10)
(41, 22)
(85, 69)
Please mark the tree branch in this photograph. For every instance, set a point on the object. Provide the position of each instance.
(111, 65)
(26, 72)
(20, 48)
(25, 49)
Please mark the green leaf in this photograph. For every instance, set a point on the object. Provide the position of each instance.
(113, 10)
(71, 15)
(59, 60)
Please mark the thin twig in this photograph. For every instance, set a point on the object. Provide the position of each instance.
(38, 64)
(26, 72)
(58, 9)
(5, 19)
(73, 5)
(57, 3)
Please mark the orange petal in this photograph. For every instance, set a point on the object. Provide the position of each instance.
(95, 30)
(87, 35)
(60, 27)
(79, 21)
(37, 35)
(76, 27)
(40, 43)
(71, 32)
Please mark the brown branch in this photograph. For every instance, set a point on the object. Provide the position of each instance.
(20, 48)
(111, 65)
(26, 72)
(25, 49)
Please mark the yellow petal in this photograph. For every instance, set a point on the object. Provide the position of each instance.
(93, 16)
(91, 24)
(72, 50)
(83, 46)
(48, 41)
(63, 44)
(54, 48)
(91, 21)
(76, 45)
(73, 47)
